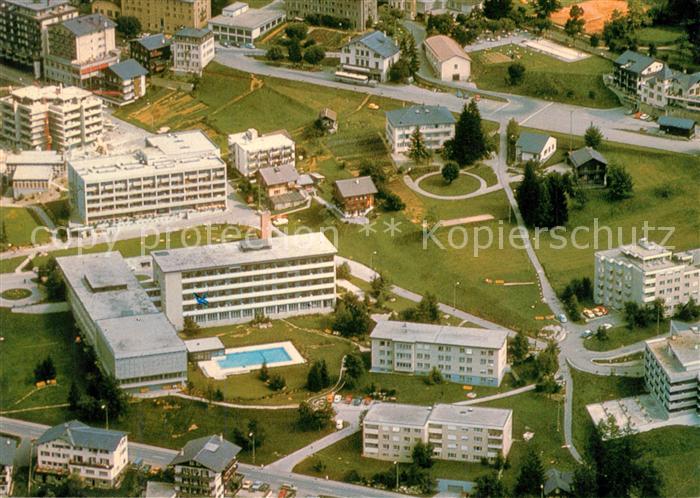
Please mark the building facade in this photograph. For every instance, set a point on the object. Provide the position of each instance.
(273, 277)
(360, 14)
(534, 147)
(465, 355)
(205, 467)
(672, 369)
(390, 432)
(589, 166)
(643, 272)
(23, 29)
(436, 124)
(123, 83)
(98, 457)
(108, 8)
(355, 196)
(49, 159)
(168, 16)
(371, 54)
(251, 151)
(192, 50)
(30, 180)
(51, 117)
(152, 52)
(172, 175)
(79, 50)
(241, 25)
(449, 61)
(281, 188)
(8, 451)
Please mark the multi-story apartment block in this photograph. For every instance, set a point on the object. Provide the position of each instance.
(466, 355)
(251, 151)
(168, 15)
(436, 124)
(644, 272)
(134, 342)
(174, 174)
(50, 117)
(192, 50)
(205, 466)
(390, 431)
(240, 24)
(8, 450)
(672, 369)
(23, 29)
(123, 82)
(632, 68)
(408, 7)
(275, 277)
(371, 54)
(97, 456)
(152, 52)
(108, 8)
(79, 50)
(359, 14)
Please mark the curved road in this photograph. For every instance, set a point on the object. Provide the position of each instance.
(483, 188)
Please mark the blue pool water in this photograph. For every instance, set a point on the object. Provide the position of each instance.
(254, 358)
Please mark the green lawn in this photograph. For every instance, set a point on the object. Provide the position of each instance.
(308, 337)
(22, 227)
(622, 336)
(660, 35)
(436, 184)
(9, 265)
(547, 77)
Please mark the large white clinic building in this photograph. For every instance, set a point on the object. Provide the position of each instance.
(174, 174)
(467, 355)
(251, 151)
(390, 431)
(436, 124)
(134, 342)
(644, 272)
(275, 277)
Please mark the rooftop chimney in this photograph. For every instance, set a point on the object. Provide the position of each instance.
(265, 230)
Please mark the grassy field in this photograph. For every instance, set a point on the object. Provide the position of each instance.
(545, 76)
(20, 224)
(622, 336)
(308, 337)
(660, 35)
(332, 40)
(436, 184)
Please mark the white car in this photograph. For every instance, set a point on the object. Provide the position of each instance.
(607, 326)
(586, 333)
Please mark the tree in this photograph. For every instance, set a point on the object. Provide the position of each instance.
(375, 171)
(275, 53)
(687, 312)
(593, 136)
(418, 151)
(318, 377)
(575, 23)
(516, 74)
(422, 455)
(519, 348)
(620, 184)
(528, 195)
(296, 31)
(351, 316)
(512, 133)
(73, 397)
(314, 55)
(595, 40)
(652, 49)
(497, 9)
(399, 71)
(45, 370)
(190, 327)
(547, 361)
(545, 8)
(354, 369)
(450, 172)
(264, 373)
(409, 53)
(392, 201)
(311, 419)
(558, 213)
(434, 376)
(618, 33)
(294, 53)
(469, 143)
(489, 486)
(531, 475)
(277, 382)
(253, 434)
(441, 23)
(342, 271)
(128, 26)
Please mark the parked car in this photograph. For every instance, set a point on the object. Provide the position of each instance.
(339, 424)
(357, 402)
(257, 485)
(562, 318)
(586, 333)
(246, 484)
(248, 45)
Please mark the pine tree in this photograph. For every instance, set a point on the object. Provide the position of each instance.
(531, 475)
(264, 373)
(512, 133)
(418, 151)
(559, 208)
(519, 348)
(593, 136)
(73, 397)
(528, 195)
(469, 144)
(324, 377)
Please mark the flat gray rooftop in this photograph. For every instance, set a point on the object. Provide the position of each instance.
(251, 19)
(140, 335)
(470, 415)
(397, 414)
(204, 344)
(439, 334)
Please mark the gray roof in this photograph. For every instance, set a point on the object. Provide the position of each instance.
(251, 19)
(154, 42)
(157, 489)
(683, 123)
(8, 448)
(128, 69)
(378, 42)
(352, 187)
(634, 61)
(420, 115)
(533, 143)
(39, 5)
(585, 154)
(85, 25)
(556, 479)
(32, 172)
(439, 334)
(193, 32)
(204, 344)
(81, 435)
(211, 452)
(277, 175)
(418, 416)
(397, 413)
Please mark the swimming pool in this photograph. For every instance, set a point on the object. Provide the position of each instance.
(252, 359)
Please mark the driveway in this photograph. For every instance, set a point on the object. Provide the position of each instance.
(482, 190)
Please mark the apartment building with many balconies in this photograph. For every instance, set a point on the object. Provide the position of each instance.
(274, 277)
(466, 355)
(8, 451)
(435, 123)
(168, 15)
(23, 29)
(251, 151)
(98, 457)
(672, 369)
(205, 467)
(50, 117)
(174, 174)
(192, 49)
(357, 14)
(390, 431)
(644, 272)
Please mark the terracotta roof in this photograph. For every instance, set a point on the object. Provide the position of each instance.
(445, 48)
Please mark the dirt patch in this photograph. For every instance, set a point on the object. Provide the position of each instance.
(464, 221)
(494, 57)
(595, 13)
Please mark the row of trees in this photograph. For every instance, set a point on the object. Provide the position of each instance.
(388, 199)
(579, 289)
(543, 199)
(298, 46)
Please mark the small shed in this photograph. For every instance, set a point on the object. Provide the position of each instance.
(204, 349)
(328, 119)
(681, 127)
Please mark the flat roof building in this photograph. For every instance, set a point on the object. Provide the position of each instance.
(49, 159)
(251, 151)
(357, 14)
(240, 24)
(390, 431)
(436, 124)
(134, 342)
(204, 348)
(466, 355)
(29, 180)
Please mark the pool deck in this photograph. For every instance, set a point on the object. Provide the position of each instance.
(212, 369)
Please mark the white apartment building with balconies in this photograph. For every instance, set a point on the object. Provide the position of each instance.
(8, 452)
(98, 456)
(50, 117)
(192, 50)
(644, 272)
(436, 124)
(390, 431)
(466, 355)
(174, 174)
(251, 151)
(276, 277)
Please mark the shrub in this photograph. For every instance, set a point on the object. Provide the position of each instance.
(277, 382)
